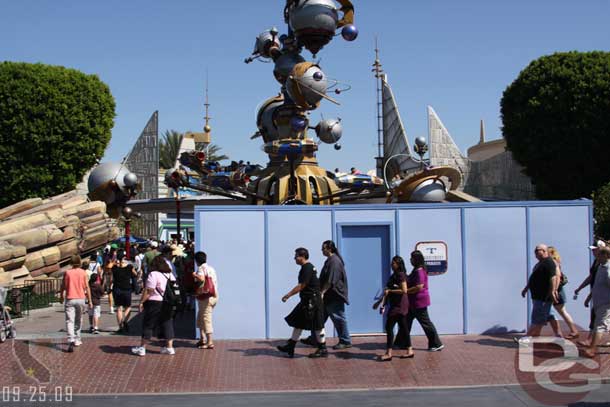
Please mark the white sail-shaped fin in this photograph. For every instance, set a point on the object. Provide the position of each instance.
(395, 140)
(443, 150)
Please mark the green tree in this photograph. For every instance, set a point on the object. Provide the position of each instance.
(601, 204)
(556, 123)
(169, 147)
(55, 124)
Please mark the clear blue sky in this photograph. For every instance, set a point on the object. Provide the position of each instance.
(457, 56)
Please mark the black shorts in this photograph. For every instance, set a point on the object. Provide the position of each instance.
(122, 298)
(158, 319)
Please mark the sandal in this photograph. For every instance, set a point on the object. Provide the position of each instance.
(200, 344)
(409, 356)
(385, 358)
(210, 346)
(572, 336)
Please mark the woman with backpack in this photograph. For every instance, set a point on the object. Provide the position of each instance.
(156, 306)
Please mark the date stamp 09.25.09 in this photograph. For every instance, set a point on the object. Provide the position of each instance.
(36, 395)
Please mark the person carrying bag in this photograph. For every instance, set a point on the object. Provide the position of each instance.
(206, 292)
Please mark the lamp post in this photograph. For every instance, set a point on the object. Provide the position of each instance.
(127, 213)
(178, 215)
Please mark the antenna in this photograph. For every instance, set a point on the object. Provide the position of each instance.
(207, 129)
(207, 103)
(379, 75)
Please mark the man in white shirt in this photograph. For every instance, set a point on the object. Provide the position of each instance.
(139, 266)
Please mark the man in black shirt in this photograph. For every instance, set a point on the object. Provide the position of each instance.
(542, 286)
(308, 313)
(335, 293)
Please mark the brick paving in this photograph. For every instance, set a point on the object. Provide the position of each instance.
(104, 364)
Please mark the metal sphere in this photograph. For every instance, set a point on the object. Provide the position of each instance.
(284, 65)
(265, 42)
(329, 130)
(130, 180)
(432, 190)
(207, 128)
(298, 123)
(127, 212)
(337, 146)
(420, 141)
(318, 76)
(349, 32)
(314, 22)
(264, 118)
(107, 182)
(303, 89)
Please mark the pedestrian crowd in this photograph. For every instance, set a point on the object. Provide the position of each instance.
(405, 298)
(546, 285)
(171, 277)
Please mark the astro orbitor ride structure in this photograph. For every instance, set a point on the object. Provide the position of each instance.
(292, 176)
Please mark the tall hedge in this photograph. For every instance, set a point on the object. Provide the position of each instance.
(55, 124)
(556, 122)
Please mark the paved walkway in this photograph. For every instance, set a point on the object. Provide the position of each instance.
(104, 365)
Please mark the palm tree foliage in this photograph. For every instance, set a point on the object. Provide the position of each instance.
(213, 153)
(169, 147)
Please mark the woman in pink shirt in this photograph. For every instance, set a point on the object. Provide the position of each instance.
(157, 314)
(419, 301)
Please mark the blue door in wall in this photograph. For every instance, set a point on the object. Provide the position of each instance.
(366, 251)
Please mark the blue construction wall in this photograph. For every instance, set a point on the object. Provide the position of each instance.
(490, 245)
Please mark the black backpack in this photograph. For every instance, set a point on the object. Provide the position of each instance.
(171, 296)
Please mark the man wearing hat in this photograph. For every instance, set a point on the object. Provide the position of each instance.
(169, 252)
(148, 258)
(589, 281)
(600, 293)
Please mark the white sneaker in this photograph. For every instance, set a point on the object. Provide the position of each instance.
(436, 348)
(139, 350)
(78, 342)
(111, 310)
(168, 351)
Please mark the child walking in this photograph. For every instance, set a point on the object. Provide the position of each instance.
(96, 310)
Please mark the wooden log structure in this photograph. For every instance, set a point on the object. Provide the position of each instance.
(38, 237)
(19, 207)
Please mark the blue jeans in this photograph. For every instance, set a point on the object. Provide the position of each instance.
(335, 309)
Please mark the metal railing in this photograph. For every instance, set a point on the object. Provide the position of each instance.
(32, 294)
